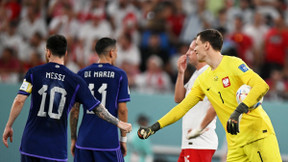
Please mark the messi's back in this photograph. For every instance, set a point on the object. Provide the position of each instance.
(54, 90)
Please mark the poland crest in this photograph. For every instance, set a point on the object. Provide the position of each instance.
(226, 82)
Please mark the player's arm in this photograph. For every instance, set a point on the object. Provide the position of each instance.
(74, 116)
(123, 116)
(175, 114)
(258, 90)
(180, 91)
(104, 114)
(209, 117)
(15, 111)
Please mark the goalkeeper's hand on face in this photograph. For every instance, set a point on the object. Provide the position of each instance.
(145, 132)
(234, 120)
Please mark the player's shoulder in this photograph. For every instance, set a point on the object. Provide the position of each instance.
(232, 59)
(38, 68)
(114, 69)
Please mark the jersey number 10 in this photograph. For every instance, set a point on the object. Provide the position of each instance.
(43, 93)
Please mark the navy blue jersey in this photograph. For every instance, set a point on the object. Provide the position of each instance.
(110, 85)
(54, 90)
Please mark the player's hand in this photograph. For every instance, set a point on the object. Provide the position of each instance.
(123, 147)
(234, 120)
(144, 133)
(73, 146)
(193, 133)
(233, 123)
(126, 127)
(8, 132)
(181, 64)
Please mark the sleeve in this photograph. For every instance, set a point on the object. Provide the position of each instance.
(26, 86)
(249, 77)
(195, 95)
(85, 97)
(124, 92)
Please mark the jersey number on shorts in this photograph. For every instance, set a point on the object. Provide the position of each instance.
(54, 90)
(102, 91)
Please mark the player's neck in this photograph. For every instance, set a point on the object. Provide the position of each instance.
(200, 65)
(215, 60)
(57, 60)
(104, 60)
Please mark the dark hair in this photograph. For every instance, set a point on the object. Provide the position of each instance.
(57, 44)
(214, 37)
(103, 43)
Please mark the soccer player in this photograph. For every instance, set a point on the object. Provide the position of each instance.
(202, 118)
(251, 139)
(54, 90)
(110, 84)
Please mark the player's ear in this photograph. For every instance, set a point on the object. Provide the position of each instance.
(111, 53)
(206, 45)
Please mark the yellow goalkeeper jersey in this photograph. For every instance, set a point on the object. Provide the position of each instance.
(220, 86)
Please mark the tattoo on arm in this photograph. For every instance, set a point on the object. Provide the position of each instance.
(74, 116)
(103, 113)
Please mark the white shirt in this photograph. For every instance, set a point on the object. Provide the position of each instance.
(26, 28)
(131, 55)
(193, 118)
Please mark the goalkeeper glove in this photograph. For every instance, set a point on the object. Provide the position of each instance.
(144, 133)
(234, 120)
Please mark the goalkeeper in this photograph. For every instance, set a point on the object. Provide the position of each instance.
(251, 139)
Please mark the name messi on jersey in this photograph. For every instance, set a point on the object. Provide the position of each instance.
(56, 76)
(100, 74)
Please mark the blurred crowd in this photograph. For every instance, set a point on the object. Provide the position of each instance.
(151, 35)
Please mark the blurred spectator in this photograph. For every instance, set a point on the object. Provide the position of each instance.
(10, 38)
(221, 20)
(196, 22)
(65, 24)
(32, 23)
(139, 150)
(9, 66)
(56, 7)
(34, 44)
(257, 31)
(119, 10)
(129, 57)
(96, 28)
(243, 42)
(154, 79)
(13, 9)
(90, 8)
(4, 21)
(74, 60)
(229, 47)
(189, 6)
(268, 10)
(243, 10)
(278, 86)
(153, 47)
(175, 18)
(275, 48)
(214, 6)
(129, 26)
(35, 59)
